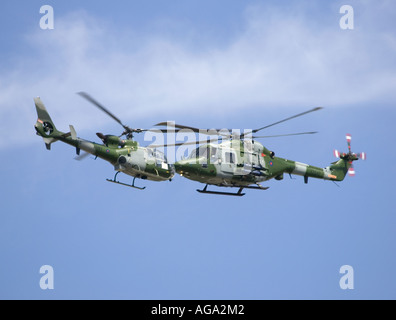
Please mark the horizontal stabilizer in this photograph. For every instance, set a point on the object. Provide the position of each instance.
(73, 132)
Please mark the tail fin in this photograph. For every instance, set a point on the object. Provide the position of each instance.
(339, 169)
(44, 125)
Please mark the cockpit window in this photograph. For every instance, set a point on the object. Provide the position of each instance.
(203, 151)
(248, 145)
(156, 154)
(159, 155)
(194, 154)
(229, 157)
(213, 152)
(200, 152)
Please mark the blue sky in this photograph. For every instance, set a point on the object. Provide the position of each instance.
(206, 64)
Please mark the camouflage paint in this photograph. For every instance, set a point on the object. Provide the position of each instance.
(125, 155)
(254, 164)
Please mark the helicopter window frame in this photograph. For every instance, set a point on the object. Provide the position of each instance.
(229, 157)
(194, 153)
(159, 155)
(150, 153)
(204, 152)
(213, 153)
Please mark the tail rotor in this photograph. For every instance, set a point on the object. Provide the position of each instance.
(350, 156)
(351, 170)
(362, 155)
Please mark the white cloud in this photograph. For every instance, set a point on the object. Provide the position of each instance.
(277, 60)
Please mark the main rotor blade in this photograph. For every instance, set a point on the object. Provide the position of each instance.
(284, 135)
(284, 120)
(209, 132)
(174, 125)
(163, 130)
(218, 132)
(182, 143)
(97, 104)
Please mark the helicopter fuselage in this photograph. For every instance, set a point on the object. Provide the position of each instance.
(242, 163)
(125, 155)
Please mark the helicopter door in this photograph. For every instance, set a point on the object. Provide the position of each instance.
(228, 161)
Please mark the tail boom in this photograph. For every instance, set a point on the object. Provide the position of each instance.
(46, 129)
(334, 172)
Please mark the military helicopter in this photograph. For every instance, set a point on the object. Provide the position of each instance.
(124, 154)
(241, 162)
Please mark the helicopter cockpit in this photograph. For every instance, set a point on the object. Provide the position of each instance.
(159, 158)
(209, 152)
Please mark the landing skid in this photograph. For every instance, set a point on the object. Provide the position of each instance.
(237, 194)
(124, 184)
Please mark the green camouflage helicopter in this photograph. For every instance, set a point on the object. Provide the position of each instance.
(124, 154)
(241, 162)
